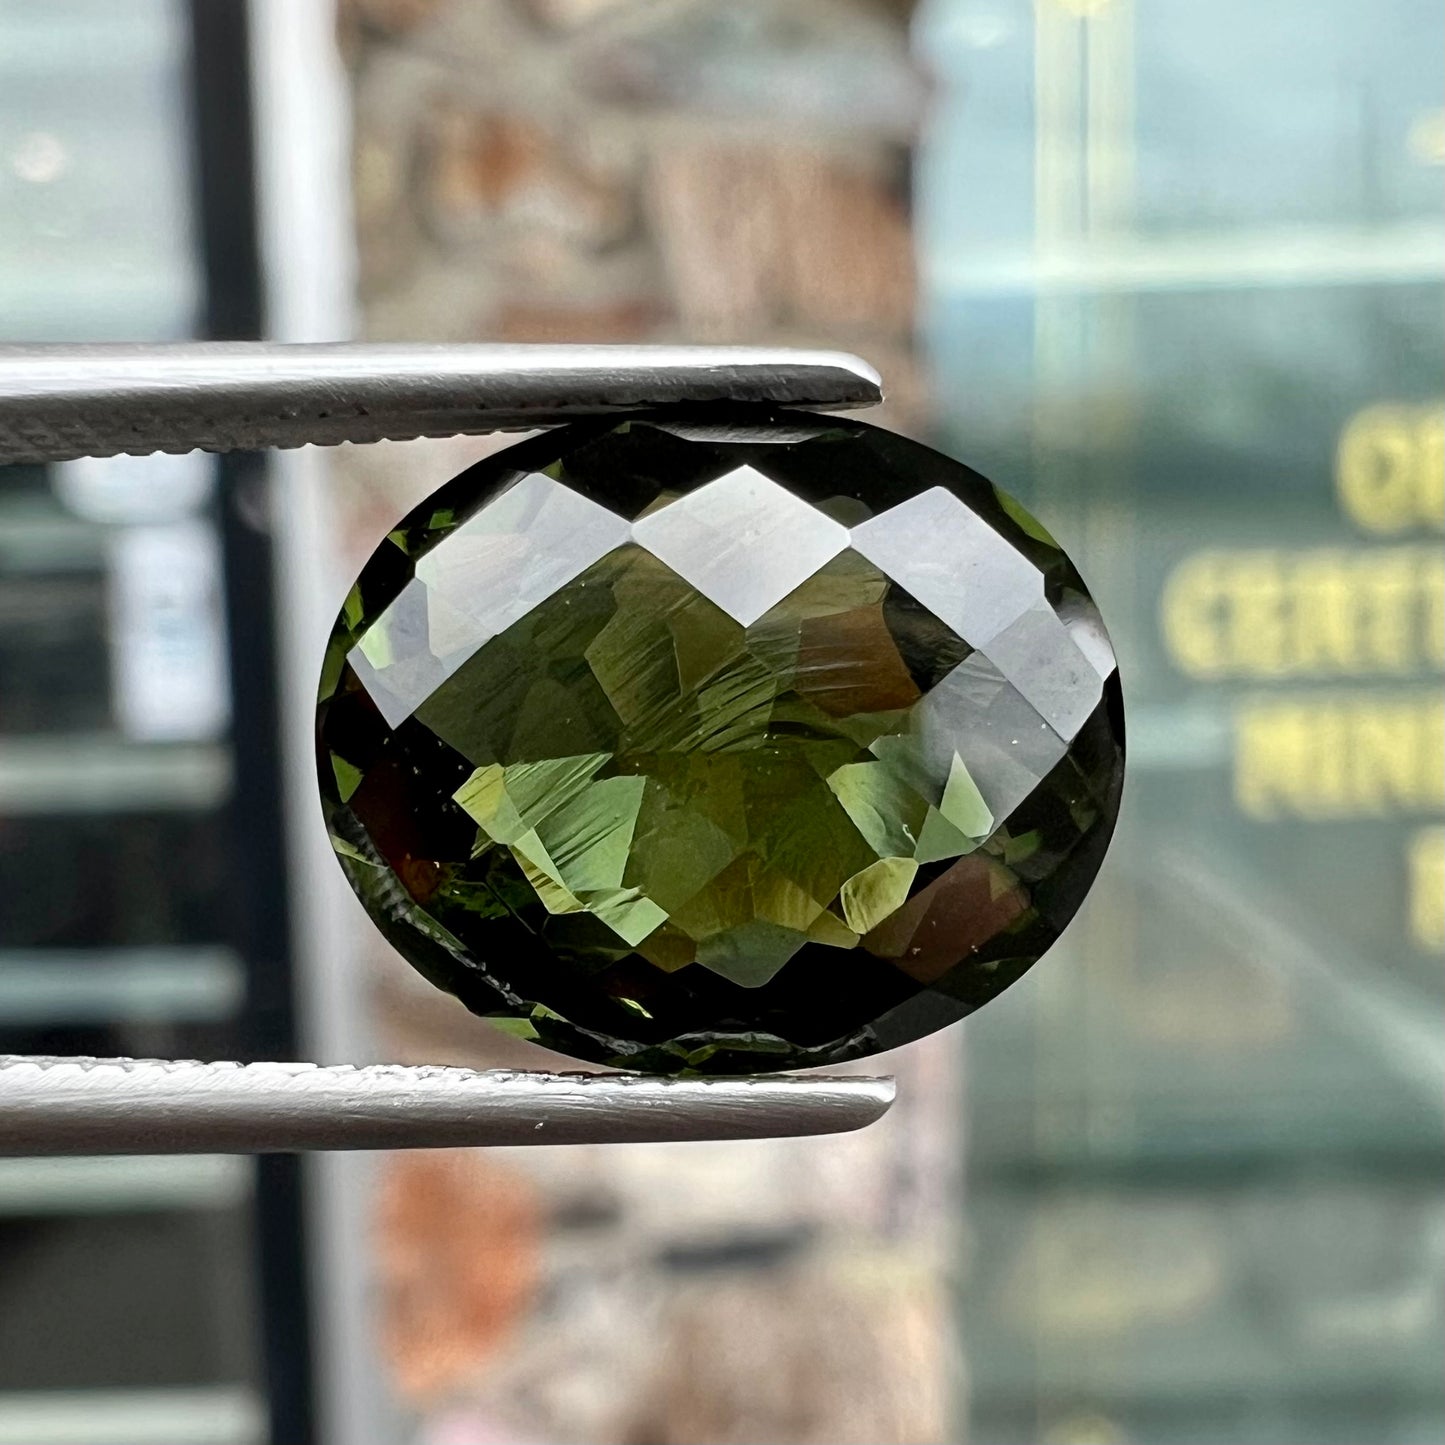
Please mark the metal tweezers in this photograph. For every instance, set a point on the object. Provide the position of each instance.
(61, 401)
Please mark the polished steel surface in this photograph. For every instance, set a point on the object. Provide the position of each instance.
(55, 1106)
(63, 401)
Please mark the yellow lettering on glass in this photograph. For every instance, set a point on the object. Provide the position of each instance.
(1320, 613)
(1342, 757)
(1192, 616)
(1426, 860)
(1390, 468)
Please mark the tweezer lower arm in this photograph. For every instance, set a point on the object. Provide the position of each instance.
(52, 1106)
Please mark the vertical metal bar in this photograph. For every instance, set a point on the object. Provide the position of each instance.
(230, 251)
(309, 263)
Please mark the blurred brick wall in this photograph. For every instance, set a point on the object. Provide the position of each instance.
(640, 171)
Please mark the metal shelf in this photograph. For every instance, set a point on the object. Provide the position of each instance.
(88, 774)
(122, 1185)
(211, 1415)
(119, 985)
(35, 538)
(1403, 252)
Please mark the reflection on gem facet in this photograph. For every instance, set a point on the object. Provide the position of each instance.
(742, 541)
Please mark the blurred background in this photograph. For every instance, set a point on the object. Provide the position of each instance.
(1171, 273)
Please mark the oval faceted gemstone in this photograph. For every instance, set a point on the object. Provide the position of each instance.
(684, 745)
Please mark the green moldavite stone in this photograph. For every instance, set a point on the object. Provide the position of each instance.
(692, 745)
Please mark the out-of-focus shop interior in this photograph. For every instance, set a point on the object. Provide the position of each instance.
(1171, 274)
